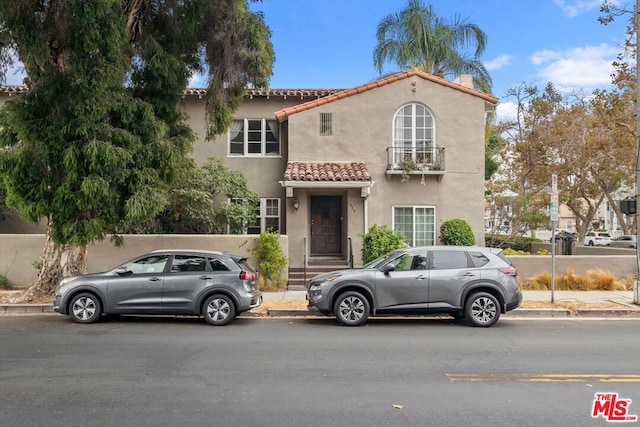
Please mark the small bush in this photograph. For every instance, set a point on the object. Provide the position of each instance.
(4, 282)
(510, 251)
(456, 232)
(268, 285)
(271, 259)
(380, 240)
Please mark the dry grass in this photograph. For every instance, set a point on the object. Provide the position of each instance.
(594, 280)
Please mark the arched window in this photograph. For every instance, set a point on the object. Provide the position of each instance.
(413, 134)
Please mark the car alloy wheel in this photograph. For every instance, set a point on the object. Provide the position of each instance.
(351, 309)
(85, 308)
(219, 310)
(482, 309)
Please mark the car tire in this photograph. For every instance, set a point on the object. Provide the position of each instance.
(590, 242)
(218, 310)
(85, 308)
(351, 308)
(482, 309)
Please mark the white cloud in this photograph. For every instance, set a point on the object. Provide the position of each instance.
(574, 8)
(506, 111)
(498, 62)
(587, 67)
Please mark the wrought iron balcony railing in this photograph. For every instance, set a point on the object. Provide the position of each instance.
(415, 160)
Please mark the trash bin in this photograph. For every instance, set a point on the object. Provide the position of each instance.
(568, 245)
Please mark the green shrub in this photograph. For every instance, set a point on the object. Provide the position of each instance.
(518, 243)
(4, 282)
(271, 259)
(380, 240)
(456, 232)
(510, 251)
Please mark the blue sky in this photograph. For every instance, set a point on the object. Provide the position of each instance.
(329, 43)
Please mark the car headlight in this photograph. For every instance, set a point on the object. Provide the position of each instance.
(314, 288)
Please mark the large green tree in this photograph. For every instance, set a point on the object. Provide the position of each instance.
(100, 135)
(417, 37)
(210, 199)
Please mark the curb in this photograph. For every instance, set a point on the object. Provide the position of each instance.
(519, 312)
(26, 308)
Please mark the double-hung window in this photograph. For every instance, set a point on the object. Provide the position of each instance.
(267, 216)
(416, 223)
(254, 138)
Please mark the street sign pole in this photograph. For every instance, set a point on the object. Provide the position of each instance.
(554, 221)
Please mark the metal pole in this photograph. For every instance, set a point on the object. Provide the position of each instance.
(636, 26)
(553, 257)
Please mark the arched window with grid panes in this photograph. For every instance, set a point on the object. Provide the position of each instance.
(413, 135)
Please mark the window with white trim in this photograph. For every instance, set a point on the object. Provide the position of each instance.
(416, 223)
(267, 216)
(254, 138)
(413, 134)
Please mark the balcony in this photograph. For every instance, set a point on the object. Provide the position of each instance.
(406, 161)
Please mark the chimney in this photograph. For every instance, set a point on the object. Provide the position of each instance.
(465, 80)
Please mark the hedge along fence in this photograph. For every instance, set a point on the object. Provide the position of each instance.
(19, 253)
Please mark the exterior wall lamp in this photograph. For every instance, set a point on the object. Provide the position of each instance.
(296, 204)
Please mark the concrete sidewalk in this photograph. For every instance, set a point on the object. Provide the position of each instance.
(620, 304)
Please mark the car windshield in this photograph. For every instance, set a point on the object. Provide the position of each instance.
(376, 263)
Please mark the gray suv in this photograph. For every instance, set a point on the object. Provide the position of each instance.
(215, 285)
(475, 283)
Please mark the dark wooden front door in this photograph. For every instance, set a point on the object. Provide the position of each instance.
(326, 225)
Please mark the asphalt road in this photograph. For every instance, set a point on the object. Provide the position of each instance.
(133, 371)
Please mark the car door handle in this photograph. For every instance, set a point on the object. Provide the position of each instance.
(154, 279)
(469, 274)
(421, 277)
(205, 277)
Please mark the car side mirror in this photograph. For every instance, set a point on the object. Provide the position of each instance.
(123, 271)
(387, 268)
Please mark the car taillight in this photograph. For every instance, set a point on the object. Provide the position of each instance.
(510, 271)
(247, 275)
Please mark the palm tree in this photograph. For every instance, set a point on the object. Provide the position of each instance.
(417, 37)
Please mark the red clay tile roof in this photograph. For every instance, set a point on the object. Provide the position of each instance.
(297, 93)
(13, 89)
(282, 114)
(320, 171)
(301, 93)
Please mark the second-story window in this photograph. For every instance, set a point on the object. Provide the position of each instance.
(413, 134)
(254, 137)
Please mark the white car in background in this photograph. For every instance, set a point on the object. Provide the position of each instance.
(597, 238)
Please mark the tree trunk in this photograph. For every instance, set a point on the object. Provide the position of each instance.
(58, 261)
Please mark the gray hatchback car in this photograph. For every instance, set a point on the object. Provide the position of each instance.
(215, 285)
(475, 283)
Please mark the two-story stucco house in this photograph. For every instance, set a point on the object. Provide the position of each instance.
(406, 151)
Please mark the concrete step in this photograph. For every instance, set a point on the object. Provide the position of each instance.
(298, 276)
